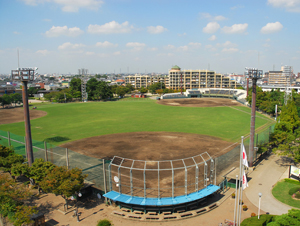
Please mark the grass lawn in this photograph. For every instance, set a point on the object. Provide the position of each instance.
(73, 121)
(283, 191)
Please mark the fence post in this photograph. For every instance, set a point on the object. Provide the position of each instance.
(104, 178)
(46, 151)
(257, 140)
(8, 137)
(67, 158)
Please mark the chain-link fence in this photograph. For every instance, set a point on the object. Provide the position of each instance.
(94, 167)
(60, 157)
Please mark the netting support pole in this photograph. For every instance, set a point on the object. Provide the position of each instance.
(119, 176)
(197, 175)
(109, 171)
(131, 183)
(8, 137)
(205, 171)
(158, 180)
(67, 157)
(46, 151)
(215, 168)
(185, 178)
(104, 178)
(172, 180)
(145, 194)
(205, 175)
(211, 179)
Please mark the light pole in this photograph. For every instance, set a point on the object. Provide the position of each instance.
(25, 75)
(254, 74)
(259, 198)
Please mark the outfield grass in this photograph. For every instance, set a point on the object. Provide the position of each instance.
(73, 121)
(284, 190)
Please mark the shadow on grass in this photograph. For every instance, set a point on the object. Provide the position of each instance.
(56, 139)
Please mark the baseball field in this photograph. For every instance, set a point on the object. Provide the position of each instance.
(131, 126)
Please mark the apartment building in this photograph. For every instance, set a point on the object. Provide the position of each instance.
(279, 78)
(195, 79)
(138, 81)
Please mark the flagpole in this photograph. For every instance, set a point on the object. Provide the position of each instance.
(240, 177)
(236, 181)
(243, 168)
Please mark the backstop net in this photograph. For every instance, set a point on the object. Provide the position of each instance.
(160, 179)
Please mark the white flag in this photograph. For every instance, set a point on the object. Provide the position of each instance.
(245, 183)
(245, 160)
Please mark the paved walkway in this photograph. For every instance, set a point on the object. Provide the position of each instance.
(272, 169)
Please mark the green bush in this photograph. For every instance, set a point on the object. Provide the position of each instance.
(292, 181)
(293, 190)
(104, 222)
(254, 221)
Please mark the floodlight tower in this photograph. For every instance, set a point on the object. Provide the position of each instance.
(254, 74)
(25, 75)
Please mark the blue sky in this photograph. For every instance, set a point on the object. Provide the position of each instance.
(138, 36)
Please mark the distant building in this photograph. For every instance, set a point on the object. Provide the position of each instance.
(138, 81)
(282, 77)
(195, 79)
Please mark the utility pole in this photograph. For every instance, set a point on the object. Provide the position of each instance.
(254, 74)
(83, 72)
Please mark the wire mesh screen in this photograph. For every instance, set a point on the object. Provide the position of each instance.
(160, 179)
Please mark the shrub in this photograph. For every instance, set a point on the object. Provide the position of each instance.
(245, 207)
(104, 222)
(293, 190)
(253, 214)
(233, 195)
(292, 181)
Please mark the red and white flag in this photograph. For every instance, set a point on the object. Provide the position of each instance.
(245, 160)
(245, 182)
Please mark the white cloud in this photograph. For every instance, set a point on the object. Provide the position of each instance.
(230, 50)
(16, 33)
(237, 7)
(106, 44)
(69, 5)
(226, 44)
(58, 31)
(43, 52)
(211, 27)
(212, 38)
(47, 20)
(195, 44)
(112, 27)
(235, 29)
(153, 49)
(69, 46)
(117, 53)
(271, 28)
(89, 53)
(180, 35)
(169, 47)
(214, 18)
(183, 48)
(289, 5)
(156, 30)
(137, 46)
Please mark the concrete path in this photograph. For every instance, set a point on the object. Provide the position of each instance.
(272, 169)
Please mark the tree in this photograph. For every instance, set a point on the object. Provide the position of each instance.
(9, 158)
(156, 86)
(16, 98)
(93, 89)
(5, 100)
(12, 197)
(121, 91)
(104, 90)
(75, 85)
(32, 90)
(61, 181)
(291, 218)
(39, 170)
(129, 87)
(143, 89)
(50, 96)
